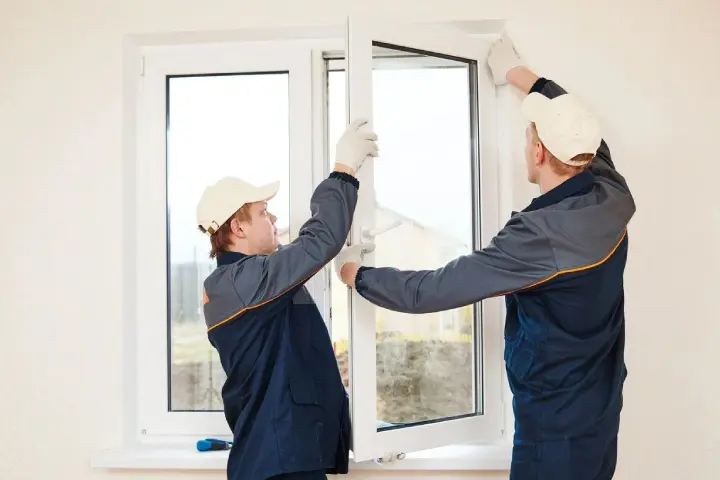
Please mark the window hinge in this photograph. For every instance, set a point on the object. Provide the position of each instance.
(390, 458)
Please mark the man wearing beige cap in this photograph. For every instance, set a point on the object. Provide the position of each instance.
(283, 398)
(559, 263)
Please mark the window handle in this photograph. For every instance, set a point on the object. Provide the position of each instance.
(369, 234)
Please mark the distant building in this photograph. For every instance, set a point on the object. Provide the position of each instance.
(410, 246)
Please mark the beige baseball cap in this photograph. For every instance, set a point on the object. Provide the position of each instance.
(220, 201)
(565, 126)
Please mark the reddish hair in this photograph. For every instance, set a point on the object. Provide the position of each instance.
(221, 240)
(560, 168)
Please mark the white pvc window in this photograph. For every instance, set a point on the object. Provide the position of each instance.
(273, 110)
(205, 113)
(424, 203)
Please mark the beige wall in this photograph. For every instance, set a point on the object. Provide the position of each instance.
(649, 72)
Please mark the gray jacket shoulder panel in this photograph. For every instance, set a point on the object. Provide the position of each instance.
(584, 230)
(226, 303)
(242, 286)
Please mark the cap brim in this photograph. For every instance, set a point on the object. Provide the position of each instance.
(267, 192)
(535, 106)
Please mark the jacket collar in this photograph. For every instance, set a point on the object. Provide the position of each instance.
(226, 258)
(577, 185)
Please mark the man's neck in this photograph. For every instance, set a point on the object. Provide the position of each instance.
(239, 249)
(551, 182)
(245, 250)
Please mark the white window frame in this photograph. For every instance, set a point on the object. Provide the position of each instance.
(368, 442)
(151, 283)
(300, 50)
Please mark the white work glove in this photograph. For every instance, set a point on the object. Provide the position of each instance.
(502, 58)
(355, 146)
(352, 254)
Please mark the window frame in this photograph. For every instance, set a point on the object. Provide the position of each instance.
(154, 417)
(370, 443)
(144, 424)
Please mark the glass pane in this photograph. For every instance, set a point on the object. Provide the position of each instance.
(219, 125)
(424, 179)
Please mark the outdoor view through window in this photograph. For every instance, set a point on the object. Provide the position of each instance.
(422, 183)
(238, 125)
(218, 125)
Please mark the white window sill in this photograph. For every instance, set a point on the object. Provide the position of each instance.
(455, 458)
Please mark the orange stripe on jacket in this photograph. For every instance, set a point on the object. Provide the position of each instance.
(243, 310)
(570, 270)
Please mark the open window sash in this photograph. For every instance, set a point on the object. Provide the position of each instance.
(372, 45)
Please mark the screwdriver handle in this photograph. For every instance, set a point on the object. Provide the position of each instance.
(210, 444)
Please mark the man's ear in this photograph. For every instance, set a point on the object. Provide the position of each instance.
(236, 228)
(539, 153)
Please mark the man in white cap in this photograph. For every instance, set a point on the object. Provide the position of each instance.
(559, 263)
(283, 398)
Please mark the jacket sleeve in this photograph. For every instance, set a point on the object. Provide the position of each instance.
(519, 257)
(262, 278)
(602, 165)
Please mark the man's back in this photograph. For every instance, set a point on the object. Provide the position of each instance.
(564, 336)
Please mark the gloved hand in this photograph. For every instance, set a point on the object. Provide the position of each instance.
(502, 58)
(356, 146)
(352, 254)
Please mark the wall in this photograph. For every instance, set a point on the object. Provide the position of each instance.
(648, 67)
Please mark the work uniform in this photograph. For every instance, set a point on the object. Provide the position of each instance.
(283, 398)
(559, 263)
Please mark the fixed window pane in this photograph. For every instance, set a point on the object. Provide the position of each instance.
(218, 125)
(424, 186)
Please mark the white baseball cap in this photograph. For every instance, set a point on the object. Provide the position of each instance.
(564, 125)
(220, 201)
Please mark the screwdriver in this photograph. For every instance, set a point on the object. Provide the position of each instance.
(213, 444)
